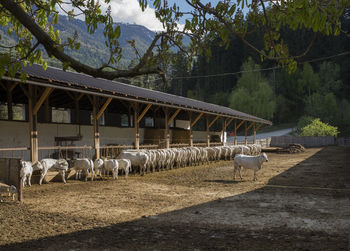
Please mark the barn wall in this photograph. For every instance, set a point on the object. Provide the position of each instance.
(16, 134)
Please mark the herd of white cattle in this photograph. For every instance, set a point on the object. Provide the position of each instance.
(144, 161)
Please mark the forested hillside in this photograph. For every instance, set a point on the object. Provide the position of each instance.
(93, 50)
(236, 77)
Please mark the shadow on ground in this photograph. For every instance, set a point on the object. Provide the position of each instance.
(304, 208)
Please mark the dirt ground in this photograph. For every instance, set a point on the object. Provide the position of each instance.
(300, 202)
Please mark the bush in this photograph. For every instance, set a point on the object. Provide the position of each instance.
(303, 121)
(318, 128)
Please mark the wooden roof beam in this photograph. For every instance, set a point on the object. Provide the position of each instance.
(103, 108)
(213, 121)
(240, 124)
(45, 94)
(196, 119)
(13, 86)
(259, 126)
(174, 116)
(250, 125)
(143, 113)
(227, 124)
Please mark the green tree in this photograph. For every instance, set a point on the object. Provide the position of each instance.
(253, 93)
(318, 128)
(322, 106)
(32, 22)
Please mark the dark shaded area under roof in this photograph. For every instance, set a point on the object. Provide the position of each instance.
(77, 81)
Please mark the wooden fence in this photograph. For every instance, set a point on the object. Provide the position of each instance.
(10, 174)
(282, 141)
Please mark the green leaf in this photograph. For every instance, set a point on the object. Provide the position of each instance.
(77, 46)
(117, 32)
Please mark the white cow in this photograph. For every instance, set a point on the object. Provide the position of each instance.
(84, 166)
(98, 166)
(111, 165)
(138, 159)
(27, 171)
(125, 165)
(60, 165)
(251, 162)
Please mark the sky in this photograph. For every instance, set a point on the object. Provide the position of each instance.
(129, 11)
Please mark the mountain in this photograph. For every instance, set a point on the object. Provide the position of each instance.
(93, 50)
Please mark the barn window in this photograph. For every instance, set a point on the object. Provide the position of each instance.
(149, 122)
(61, 115)
(101, 120)
(124, 120)
(18, 111)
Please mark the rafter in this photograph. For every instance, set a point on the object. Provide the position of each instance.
(258, 127)
(196, 119)
(250, 125)
(227, 124)
(174, 116)
(143, 113)
(103, 108)
(213, 121)
(45, 94)
(240, 124)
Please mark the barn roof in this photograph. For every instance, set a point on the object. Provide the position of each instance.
(73, 81)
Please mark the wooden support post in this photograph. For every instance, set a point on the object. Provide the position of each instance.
(167, 135)
(245, 133)
(96, 126)
(76, 111)
(191, 134)
(77, 97)
(207, 127)
(9, 102)
(223, 131)
(34, 149)
(136, 126)
(254, 129)
(47, 111)
(235, 131)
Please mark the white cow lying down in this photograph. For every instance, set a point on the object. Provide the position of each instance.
(250, 162)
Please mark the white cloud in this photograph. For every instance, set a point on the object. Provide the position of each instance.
(129, 11)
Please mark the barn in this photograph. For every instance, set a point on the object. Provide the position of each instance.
(72, 115)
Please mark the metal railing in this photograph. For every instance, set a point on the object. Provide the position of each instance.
(66, 152)
(15, 152)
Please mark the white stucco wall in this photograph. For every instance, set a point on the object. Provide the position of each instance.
(185, 124)
(16, 134)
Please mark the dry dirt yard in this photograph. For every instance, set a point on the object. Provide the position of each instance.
(300, 202)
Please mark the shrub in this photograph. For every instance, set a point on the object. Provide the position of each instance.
(303, 121)
(318, 128)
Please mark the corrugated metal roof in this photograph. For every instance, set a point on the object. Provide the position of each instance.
(73, 80)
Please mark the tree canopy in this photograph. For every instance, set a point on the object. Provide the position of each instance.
(32, 22)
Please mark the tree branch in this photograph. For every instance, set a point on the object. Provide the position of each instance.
(54, 49)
